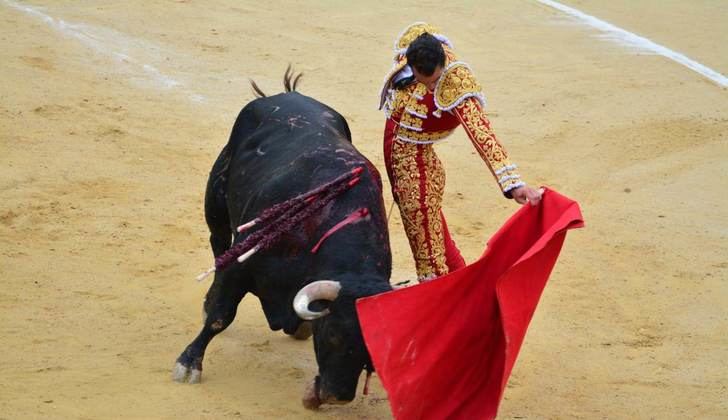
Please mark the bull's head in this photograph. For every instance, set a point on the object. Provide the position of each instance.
(338, 342)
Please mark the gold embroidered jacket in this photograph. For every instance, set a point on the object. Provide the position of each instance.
(429, 117)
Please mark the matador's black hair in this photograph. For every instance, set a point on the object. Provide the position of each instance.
(425, 54)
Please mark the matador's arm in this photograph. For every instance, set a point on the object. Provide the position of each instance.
(476, 125)
(457, 91)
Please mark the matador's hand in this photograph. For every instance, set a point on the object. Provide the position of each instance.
(527, 194)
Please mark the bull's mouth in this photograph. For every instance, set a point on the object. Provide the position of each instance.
(314, 396)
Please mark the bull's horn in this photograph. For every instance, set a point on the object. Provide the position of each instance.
(318, 290)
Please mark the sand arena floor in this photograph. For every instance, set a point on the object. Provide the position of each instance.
(111, 114)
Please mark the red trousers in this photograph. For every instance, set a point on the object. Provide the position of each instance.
(418, 184)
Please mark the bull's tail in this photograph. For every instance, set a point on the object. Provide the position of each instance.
(290, 81)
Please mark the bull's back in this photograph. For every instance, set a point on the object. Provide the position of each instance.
(286, 125)
(282, 146)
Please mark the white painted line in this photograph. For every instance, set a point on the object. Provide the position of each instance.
(619, 35)
(120, 48)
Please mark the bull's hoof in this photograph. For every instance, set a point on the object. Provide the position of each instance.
(186, 374)
(304, 330)
(188, 367)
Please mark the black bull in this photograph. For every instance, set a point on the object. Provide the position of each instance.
(282, 146)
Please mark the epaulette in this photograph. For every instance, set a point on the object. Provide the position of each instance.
(411, 33)
(398, 66)
(456, 84)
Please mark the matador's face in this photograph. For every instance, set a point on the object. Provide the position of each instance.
(429, 81)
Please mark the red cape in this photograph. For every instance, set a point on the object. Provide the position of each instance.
(444, 349)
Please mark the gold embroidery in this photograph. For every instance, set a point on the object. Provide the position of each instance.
(411, 122)
(449, 55)
(477, 127)
(456, 84)
(398, 99)
(394, 104)
(422, 137)
(419, 110)
(412, 32)
(411, 125)
(419, 183)
(419, 90)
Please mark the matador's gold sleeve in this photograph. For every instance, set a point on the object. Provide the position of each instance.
(476, 125)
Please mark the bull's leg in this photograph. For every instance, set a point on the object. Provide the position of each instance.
(221, 305)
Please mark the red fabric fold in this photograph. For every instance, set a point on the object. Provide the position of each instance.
(445, 349)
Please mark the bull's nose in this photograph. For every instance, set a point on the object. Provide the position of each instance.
(311, 398)
(334, 400)
(316, 393)
(328, 397)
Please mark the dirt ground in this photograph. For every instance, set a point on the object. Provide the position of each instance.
(111, 114)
